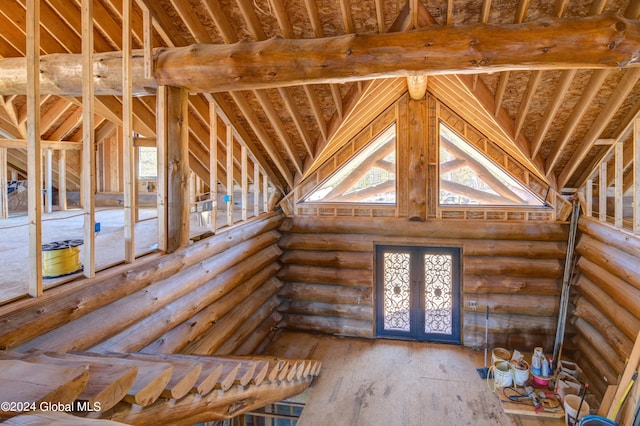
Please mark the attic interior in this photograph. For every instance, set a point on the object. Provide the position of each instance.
(303, 190)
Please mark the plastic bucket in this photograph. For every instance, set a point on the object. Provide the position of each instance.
(571, 415)
(592, 420)
(502, 374)
(520, 375)
(500, 354)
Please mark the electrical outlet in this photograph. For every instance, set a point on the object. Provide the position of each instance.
(473, 304)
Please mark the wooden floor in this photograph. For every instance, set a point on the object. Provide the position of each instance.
(393, 382)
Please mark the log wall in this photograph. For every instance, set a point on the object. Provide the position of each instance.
(216, 295)
(515, 268)
(606, 302)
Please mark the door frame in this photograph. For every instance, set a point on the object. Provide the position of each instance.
(417, 306)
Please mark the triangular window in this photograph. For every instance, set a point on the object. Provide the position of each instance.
(468, 177)
(369, 177)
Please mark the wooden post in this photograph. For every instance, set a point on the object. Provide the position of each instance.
(256, 188)
(619, 176)
(589, 194)
(4, 196)
(34, 155)
(62, 180)
(147, 36)
(229, 175)
(88, 154)
(178, 168)
(127, 133)
(602, 195)
(265, 192)
(245, 181)
(417, 161)
(636, 176)
(213, 164)
(162, 148)
(49, 181)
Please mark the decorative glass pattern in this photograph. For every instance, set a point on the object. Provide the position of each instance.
(438, 293)
(396, 291)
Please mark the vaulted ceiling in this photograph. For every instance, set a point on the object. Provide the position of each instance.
(558, 118)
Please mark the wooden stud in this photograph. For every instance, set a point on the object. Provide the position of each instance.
(636, 176)
(245, 181)
(230, 191)
(62, 180)
(88, 182)
(147, 36)
(256, 188)
(162, 137)
(265, 193)
(213, 164)
(618, 184)
(34, 156)
(4, 196)
(127, 132)
(602, 195)
(48, 200)
(589, 195)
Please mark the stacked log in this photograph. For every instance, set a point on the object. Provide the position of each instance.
(607, 308)
(514, 268)
(164, 304)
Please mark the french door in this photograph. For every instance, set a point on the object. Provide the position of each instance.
(418, 293)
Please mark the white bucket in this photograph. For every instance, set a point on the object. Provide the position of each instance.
(571, 403)
(503, 376)
(520, 375)
(500, 354)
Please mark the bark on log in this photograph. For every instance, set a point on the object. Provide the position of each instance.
(625, 294)
(606, 41)
(324, 275)
(360, 312)
(611, 236)
(212, 339)
(544, 268)
(328, 325)
(260, 265)
(529, 231)
(24, 320)
(327, 293)
(509, 284)
(331, 258)
(515, 304)
(612, 260)
(92, 328)
(175, 339)
(620, 343)
(621, 317)
(601, 346)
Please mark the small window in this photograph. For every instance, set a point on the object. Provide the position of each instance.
(148, 162)
(368, 177)
(468, 177)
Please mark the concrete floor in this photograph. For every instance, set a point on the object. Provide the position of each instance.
(67, 225)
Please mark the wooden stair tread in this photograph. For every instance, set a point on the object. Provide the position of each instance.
(38, 382)
(150, 381)
(107, 385)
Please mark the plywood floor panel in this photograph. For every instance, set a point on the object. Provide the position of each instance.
(366, 382)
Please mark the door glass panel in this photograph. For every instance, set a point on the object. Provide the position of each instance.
(438, 294)
(396, 291)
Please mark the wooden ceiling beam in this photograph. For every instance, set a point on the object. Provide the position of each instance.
(347, 17)
(53, 114)
(207, 68)
(71, 17)
(72, 122)
(297, 119)
(525, 104)
(192, 22)
(222, 23)
(486, 10)
(379, 4)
